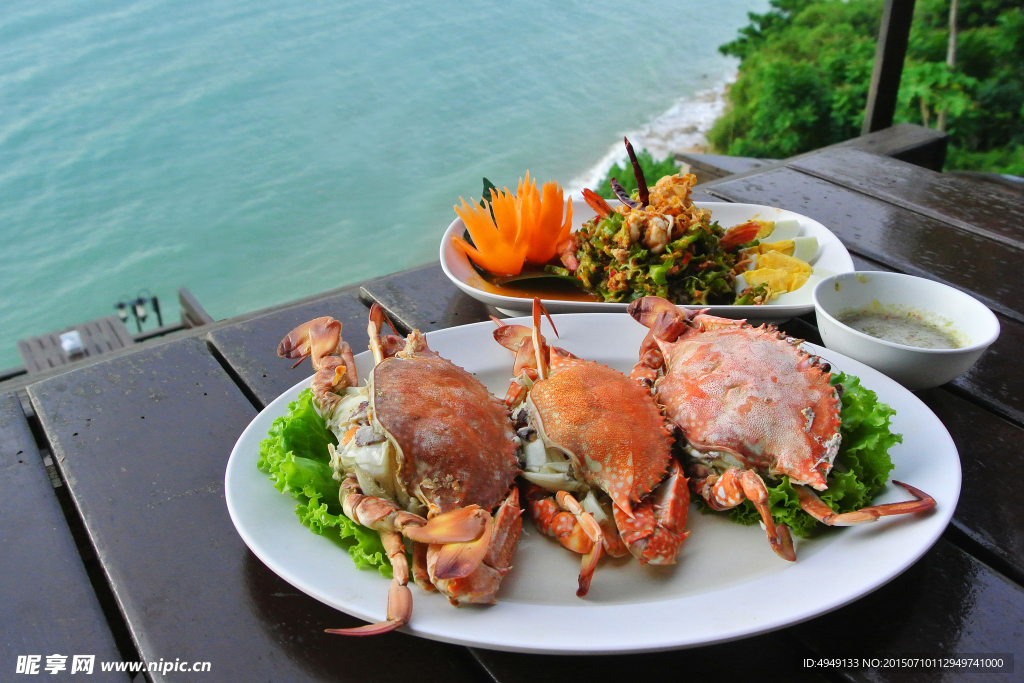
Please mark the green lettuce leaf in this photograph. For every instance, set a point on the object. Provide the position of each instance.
(861, 468)
(295, 457)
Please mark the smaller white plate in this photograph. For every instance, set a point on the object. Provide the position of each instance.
(831, 259)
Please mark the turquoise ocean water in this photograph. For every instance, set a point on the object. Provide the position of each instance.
(264, 150)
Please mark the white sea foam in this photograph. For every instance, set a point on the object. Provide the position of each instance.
(682, 128)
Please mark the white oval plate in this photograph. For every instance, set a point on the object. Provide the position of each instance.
(728, 583)
(831, 259)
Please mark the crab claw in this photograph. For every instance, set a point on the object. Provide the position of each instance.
(458, 560)
(458, 526)
(318, 338)
(666, 320)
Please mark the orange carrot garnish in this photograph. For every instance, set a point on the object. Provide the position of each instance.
(527, 227)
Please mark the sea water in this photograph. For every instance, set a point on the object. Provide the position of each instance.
(265, 150)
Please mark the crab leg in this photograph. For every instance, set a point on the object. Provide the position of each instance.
(815, 507)
(420, 573)
(399, 595)
(533, 356)
(576, 529)
(563, 518)
(593, 530)
(655, 531)
(456, 528)
(552, 520)
(730, 489)
(379, 346)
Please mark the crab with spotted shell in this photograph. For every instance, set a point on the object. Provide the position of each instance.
(599, 472)
(749, 402)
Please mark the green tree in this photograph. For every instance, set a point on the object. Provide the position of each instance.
(806, 66)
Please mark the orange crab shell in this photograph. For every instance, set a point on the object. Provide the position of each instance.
(455, 439)
(750, 392)
(608, 424)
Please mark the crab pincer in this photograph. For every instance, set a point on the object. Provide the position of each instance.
(751, 403)
(599, 472)
(425, 454)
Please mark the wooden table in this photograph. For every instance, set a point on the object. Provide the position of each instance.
(133, 555)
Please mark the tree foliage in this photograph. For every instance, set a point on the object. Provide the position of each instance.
(806, 67)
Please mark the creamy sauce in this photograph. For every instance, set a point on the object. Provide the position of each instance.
(902, 325)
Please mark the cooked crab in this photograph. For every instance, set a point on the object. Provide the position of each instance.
(601, 477)
(750, 402)
(425, 453)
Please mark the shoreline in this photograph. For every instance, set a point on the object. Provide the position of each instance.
(680, 129)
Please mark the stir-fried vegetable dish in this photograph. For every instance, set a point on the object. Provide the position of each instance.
(668, 248)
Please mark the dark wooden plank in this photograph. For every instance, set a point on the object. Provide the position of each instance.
(711, 166)
(991, 499)
(747, 659)
(424, 299)
(47, 604)
(699, 195)
(966, 205)
(116, 331)
(997, 379)
(893, 236)
(1001, 182)
(893, 36)
(861, 263)
(142, 441)
(250, 347)
(907, 142)
(947, 604)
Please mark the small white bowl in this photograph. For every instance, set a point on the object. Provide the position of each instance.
(911, 366)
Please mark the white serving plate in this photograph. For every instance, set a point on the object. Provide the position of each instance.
(630, 608)
(831, 259)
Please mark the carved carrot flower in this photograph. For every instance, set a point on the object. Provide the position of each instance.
(526, 227)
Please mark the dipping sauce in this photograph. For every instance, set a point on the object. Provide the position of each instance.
(902, 325)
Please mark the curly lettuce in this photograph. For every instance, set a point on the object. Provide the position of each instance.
(860, 472)
(296, 458)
